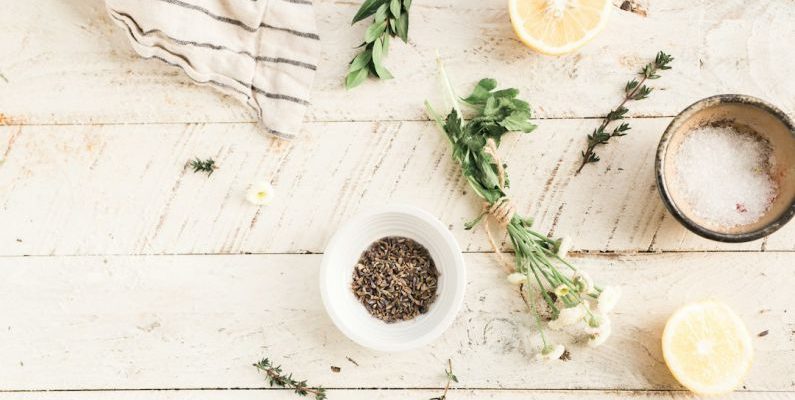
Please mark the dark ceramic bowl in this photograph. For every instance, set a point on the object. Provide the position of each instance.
(743, 112)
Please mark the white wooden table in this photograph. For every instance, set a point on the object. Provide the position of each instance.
(125, 275)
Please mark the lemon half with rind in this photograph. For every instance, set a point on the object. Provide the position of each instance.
(707, 348)
(558, 27)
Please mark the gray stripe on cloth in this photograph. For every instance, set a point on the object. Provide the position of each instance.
(277, 60)
(239, 23)
(255, 89)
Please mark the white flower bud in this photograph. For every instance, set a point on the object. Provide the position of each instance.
(582, 282)
(608, 299)
(567, 316)
(551, 352)
(598, 335)
(261, 194)
(517, 278)
(561, 291)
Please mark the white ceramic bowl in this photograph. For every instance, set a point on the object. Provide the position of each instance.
(344, 250)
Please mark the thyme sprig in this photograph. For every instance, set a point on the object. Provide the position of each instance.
(450, 379)
(634, 90)
(391, 18)
(277, 377)
(199, 165)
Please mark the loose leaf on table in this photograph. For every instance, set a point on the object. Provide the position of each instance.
(390, 19)
(277, 377)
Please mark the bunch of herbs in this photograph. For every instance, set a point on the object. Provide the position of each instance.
(391, 19)
(540, 265)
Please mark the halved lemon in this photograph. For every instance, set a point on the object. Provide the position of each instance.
(557, 27)
(707, 347)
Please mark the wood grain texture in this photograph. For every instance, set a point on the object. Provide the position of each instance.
(124, 189)
(370, 394)
(200, 321)
(78, 67)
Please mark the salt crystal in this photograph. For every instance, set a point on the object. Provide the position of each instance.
(725, 175)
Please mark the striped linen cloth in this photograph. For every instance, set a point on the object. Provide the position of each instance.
(264, 52)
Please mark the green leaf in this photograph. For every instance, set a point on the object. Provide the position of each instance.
(403, 27)
(378, 57)
(367, 9)
(374, 31)
(361, 60)
(355, 78)
(481, 91)
(518, 121)
(394, 8)
(385, 39)
(380, 14)
(407, 4)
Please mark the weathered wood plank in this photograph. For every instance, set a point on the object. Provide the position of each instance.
(78, 68)
(200, 321)
(123, 189)
(370, 394)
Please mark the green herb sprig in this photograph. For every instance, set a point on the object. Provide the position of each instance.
(391, 18)
(277, 377)
(450, 379)
(633, 90)
(207, 165)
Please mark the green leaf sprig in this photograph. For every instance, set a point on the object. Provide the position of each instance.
(200, 165)
(276, 377)
(540, 266)
(391, 18)
(450, 379)
(633, 90)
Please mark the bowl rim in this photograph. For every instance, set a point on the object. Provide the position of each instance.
(460, 283)
(662, 186)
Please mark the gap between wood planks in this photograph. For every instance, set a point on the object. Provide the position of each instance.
(574, 254)
(452, 389)
(14, 122)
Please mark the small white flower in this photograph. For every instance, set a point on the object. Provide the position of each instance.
(564, 247)
(567, 316)
(561, 291)
(582, 282)
(261, 194)
(608, 299)
(551, 352)
(598, 335)
(517, 278)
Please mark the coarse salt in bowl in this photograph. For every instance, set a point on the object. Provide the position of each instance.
(342, 254)
(726, 168)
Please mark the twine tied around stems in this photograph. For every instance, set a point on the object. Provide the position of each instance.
(501, 210)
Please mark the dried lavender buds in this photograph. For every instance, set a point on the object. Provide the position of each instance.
(395, 279)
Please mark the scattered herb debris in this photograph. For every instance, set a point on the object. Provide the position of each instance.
(276, 377)
(566, 356)
(335, 369)
(634, 7)
(207, 165)
(391, 19)
(450, 379)
(352, 361)
(395, 279)
(633, 90)
(763, 333)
